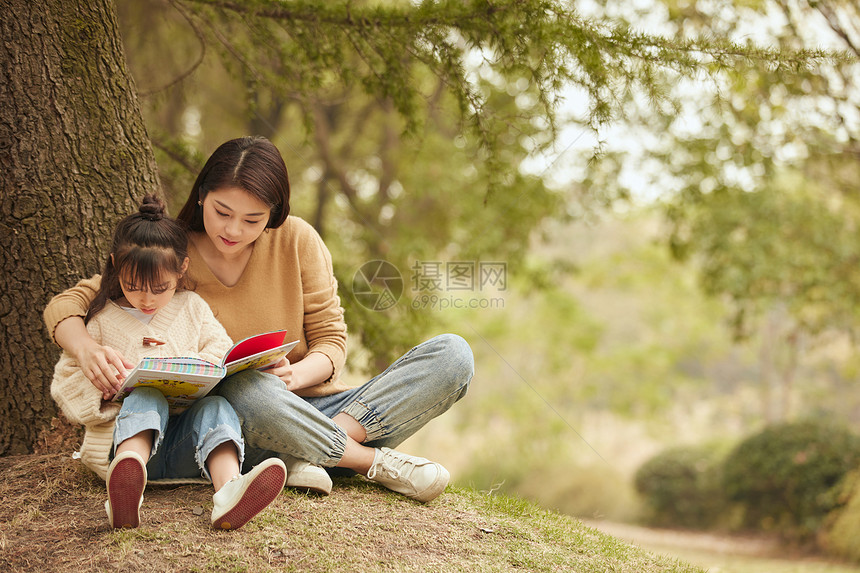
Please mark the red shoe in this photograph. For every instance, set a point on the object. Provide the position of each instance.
(245, 496)
(126, 480)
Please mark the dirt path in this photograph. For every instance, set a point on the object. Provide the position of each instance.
(724, 553)
(690, 540)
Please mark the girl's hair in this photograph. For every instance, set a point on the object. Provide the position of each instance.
(252, 164)
(146, 246)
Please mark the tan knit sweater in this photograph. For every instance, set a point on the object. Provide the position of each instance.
(188, 327)
(288, 284)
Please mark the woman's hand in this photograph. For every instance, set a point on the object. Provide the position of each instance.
(285, 371)
(309, 371)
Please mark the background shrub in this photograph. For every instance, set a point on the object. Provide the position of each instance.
(842, 526)
(784, 476)
(682, 487)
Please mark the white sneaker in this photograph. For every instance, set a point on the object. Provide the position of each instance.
(414, 477)
(306, 476)
(126, 480)
(245, 496)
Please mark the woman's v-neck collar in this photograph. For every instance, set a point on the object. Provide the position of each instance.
(214, 277)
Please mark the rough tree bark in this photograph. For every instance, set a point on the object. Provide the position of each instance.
(75, 157)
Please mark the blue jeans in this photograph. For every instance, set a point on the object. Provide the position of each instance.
(183, 441)
(419, 386)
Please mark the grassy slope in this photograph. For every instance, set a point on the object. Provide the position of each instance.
(52, 519)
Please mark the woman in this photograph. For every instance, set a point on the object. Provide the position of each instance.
(261, 270)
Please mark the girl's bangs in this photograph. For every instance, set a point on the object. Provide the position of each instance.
(146, 267)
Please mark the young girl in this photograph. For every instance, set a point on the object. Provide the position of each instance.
(142, 309)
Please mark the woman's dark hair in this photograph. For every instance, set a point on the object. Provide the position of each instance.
(145, 246)
(252, 164)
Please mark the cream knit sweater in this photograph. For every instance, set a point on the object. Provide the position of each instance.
(188, 327)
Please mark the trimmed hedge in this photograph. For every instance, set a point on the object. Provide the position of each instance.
(681, 487)
(842, 528)
(784, 476)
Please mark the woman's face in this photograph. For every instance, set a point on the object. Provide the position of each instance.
(233, 219)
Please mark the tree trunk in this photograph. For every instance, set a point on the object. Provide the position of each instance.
(75, 158)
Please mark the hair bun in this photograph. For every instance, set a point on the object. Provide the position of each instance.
(152, 208)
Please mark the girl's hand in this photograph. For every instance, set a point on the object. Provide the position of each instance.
(103, 366)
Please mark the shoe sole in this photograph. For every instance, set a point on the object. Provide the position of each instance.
(260, 492)
(125, 486)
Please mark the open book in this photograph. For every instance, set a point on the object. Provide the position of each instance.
(183, 380)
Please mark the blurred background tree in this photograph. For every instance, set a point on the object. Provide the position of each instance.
(750, 181)
(404, 126)
(758, 179)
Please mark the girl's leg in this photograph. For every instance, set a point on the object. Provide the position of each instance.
(209, 426)
(141, 419)
(140, 443)
(206, 440)
(223, 464)
(140, 423)
(245, 496)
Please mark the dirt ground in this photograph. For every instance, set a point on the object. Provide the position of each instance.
(726, 553)
(49, 502)
(52, 519)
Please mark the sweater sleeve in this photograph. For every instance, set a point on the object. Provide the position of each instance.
(80, 401)
(324, 325)
(71, 302)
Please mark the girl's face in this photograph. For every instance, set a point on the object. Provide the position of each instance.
(152, 298)
(233, 219)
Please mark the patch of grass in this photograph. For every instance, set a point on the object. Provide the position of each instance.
(48, 502)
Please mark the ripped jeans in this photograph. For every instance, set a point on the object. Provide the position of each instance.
(419, 386)
(182, 441)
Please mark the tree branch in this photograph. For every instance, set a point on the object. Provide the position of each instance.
(200, 38)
